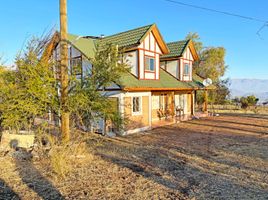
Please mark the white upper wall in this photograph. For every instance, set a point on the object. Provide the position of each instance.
(176, 67)
(131, 58)
(73, 53)
(149, 48)
(186, 59)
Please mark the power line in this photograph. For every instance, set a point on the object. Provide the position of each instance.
(217, 11)
(260, 30)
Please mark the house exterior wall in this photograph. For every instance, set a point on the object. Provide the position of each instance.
(152, 111)
(73, 53)
(186, 58)
(176, 66)
(149, 48)
(173, 68)
(135, 122)
(132, 61)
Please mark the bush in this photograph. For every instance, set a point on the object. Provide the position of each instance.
(248, 101)
(63, 157)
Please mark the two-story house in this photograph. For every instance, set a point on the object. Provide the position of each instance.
(160, 86)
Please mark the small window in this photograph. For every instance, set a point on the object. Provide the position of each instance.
(186, 70)
(149, 64)
(76, 66)
(136, 105)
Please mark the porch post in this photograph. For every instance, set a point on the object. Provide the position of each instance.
(205, 108)
(173, 106)
(192, 102)
(121, 108)
(150, 109)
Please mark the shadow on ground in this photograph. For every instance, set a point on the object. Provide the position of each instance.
(181, 158)
(33, 178)
(6, 192)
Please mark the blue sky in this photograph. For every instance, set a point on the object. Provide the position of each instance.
(246, 52)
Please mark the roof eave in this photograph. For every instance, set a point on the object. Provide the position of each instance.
(133, 89)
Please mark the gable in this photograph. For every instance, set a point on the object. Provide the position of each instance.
(177, 49)
(150, 43)
(188, 54)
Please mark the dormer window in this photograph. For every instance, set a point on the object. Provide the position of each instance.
(149, 63)
(186, 69)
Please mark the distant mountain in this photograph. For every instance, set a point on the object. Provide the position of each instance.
(245, 87)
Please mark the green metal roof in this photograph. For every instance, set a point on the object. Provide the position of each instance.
(133, 37)
(85, 45)
(166, 81)
(126, 39)
(176, 48)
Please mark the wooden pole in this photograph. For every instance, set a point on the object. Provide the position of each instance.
(205, 101)
(65, 129)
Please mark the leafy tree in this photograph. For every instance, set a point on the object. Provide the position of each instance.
(248, 101)
(212, 59)
(211, 65)
(252, 100)
(196, 40)
(222, 92)
(88, 100)
(236, 100)
(29, 91)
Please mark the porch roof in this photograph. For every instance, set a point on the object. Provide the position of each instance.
(166, 82)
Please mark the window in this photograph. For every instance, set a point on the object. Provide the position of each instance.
(136, 105)
(186, 70)
(76, 66)
(149, 64)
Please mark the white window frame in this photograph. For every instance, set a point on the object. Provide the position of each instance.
(188, 69)
(150, 58)
(140, 103)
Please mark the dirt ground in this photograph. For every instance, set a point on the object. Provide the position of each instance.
(223, 157)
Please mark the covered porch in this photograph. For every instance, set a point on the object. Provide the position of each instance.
(170, 107)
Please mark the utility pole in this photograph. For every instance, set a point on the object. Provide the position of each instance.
(65, 118)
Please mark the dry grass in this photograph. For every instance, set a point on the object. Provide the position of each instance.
(222, 157)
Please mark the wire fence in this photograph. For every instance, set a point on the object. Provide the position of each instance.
(237, 109)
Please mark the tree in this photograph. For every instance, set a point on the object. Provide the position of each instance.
(88, 100)
(221, 93)
(29, 91)
(196, 40)
(210, 65)
(212, 59)
(248, 101)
